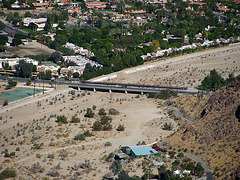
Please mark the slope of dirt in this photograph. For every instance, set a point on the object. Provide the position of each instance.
(214, 135)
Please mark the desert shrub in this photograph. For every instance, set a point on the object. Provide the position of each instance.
(203, 113)
(62, 119)
(5, 103)
(37, 146)
(63, 154)
(37, 168)
(29, 82)
(167, 126)
(89, 113)
(53, 174)
(87, 133)
(80, 137)
(86, 165)
(151, 95)
(11, 84)
(176, 163)
(107, 127)
(17, 148)
(105, 120)
(120, 127)
(180, 154)
(50, 156)
(108, 144)
(97, 126)
(38, 155)
(72, 92)
(102, 112)
(8, 173)
(113, 111)
(75, 119)
(164, 94)
(94, 107)
(110, 157)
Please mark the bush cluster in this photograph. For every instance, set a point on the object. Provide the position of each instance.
(62, 119)
(104, 124)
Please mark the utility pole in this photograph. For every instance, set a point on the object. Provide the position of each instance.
(43, 86)
(33, 87)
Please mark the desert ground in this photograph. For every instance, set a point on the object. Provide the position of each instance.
(43, 146)
(30, 48)
(30, 119)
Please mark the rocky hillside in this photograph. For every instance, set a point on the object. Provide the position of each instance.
(214, 136)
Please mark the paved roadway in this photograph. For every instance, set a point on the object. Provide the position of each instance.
(98, 87)
(13, 30)
(209, 174)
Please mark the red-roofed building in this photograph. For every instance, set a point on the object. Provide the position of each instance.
(223, 9)
(96, 5)
(46, 4)
(197, 3)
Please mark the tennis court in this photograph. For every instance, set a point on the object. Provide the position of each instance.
(18, 93)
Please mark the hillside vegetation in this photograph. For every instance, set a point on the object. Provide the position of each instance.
(214, 135)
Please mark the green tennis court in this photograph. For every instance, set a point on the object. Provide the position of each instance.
(19, 93)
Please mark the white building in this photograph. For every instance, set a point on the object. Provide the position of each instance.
(78, 49)
(80, 60)
(14, 61)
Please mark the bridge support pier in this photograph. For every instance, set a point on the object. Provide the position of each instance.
(125, 92)
(79, 89)
(110, 91)
(94, 89)
(141, 93)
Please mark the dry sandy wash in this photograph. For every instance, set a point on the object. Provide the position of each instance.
(187, 70)
(32, 121)
(28, 122)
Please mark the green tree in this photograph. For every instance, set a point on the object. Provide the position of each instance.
(55, 57)
(3, 39)
(147, 166)
(2, 25)
(11, 84)
(75, 75)
(116, 167)
(48, 75)
(123, 175)
(24, 69)
(199, 170)
(164, 174)
(69, 74)
(212, 82)
(48, 25)
(33, 26)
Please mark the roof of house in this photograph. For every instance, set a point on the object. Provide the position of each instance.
(142, 150)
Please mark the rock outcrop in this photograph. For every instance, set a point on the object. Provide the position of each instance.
(214, 135)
